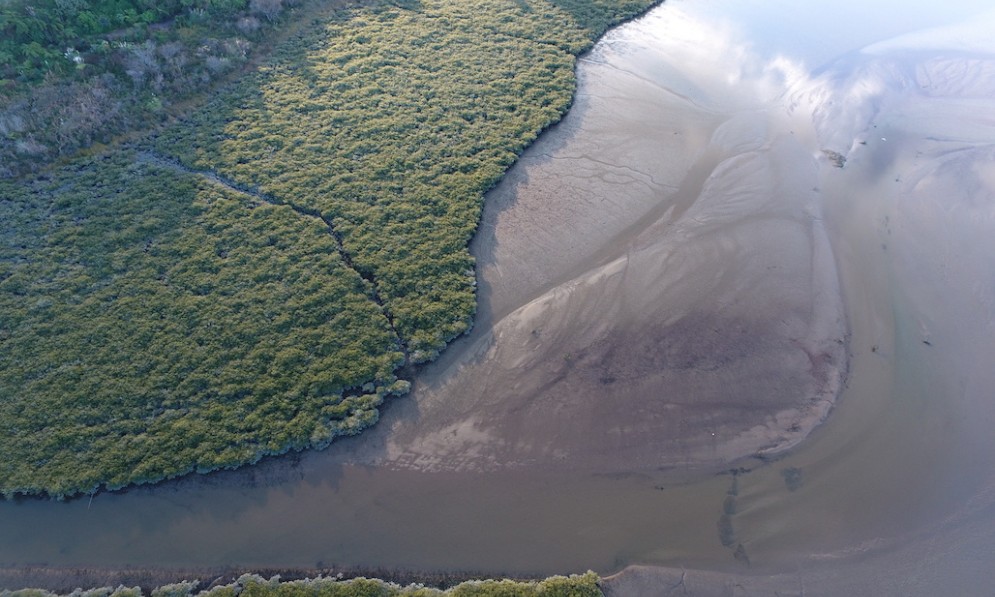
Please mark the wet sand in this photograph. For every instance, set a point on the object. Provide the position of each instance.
(897, 497)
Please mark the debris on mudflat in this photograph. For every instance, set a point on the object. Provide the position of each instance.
(792, 478)
(740, 554)
(837, 158)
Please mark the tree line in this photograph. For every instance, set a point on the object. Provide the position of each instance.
(78, 72)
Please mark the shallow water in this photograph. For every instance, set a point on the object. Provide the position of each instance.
(681, 235)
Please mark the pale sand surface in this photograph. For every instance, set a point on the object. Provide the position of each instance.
(911, 216)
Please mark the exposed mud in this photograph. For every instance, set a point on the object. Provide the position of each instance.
(708, 329)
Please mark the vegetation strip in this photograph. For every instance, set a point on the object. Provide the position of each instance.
(250, 585)
(156, 323)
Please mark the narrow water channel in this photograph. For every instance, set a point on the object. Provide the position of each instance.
(763, 200)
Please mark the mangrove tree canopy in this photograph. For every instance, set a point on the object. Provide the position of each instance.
(250, 279)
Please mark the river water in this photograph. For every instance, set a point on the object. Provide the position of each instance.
(753, 207)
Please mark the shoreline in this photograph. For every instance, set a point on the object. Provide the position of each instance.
(64, 580)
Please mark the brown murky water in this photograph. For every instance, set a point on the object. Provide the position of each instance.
(676, 276)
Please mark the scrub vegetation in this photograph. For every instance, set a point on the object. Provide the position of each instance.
(73, 72)
(155, 322)
(585, 585)
(391, 125)
(250, 279)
